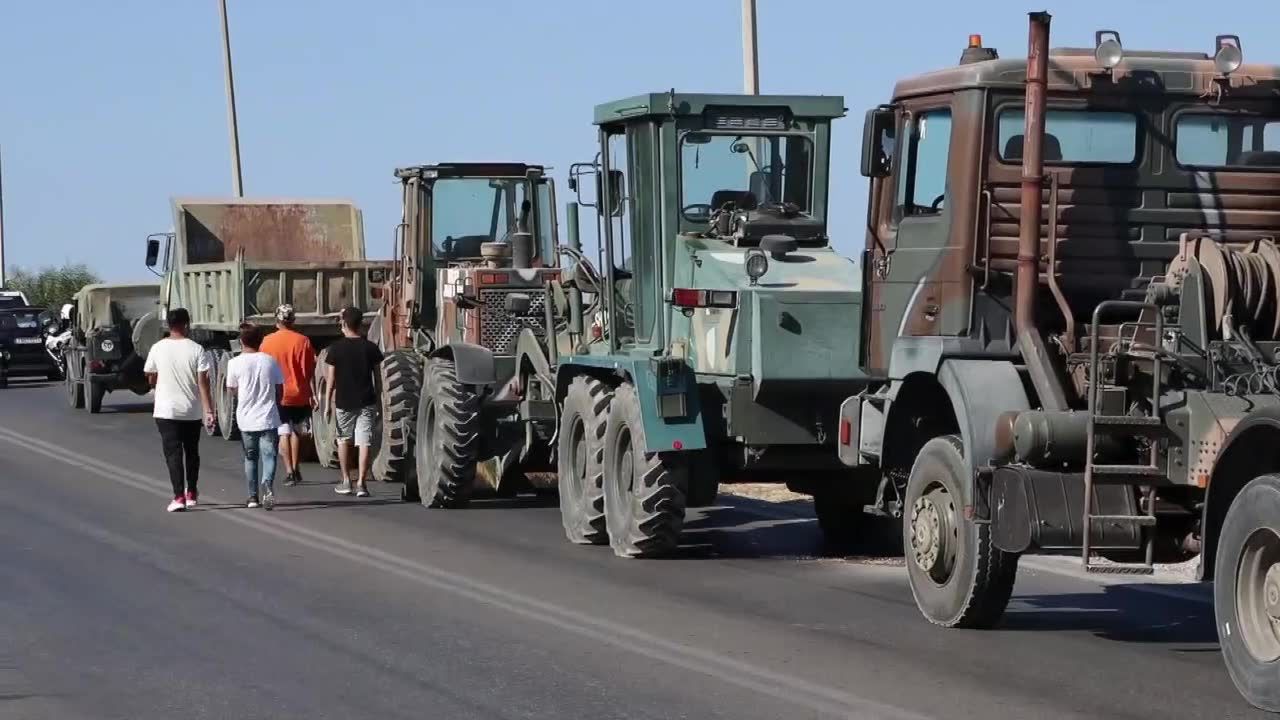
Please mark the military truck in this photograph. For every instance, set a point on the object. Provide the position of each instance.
(475, 250)
(113, 326)
(711, 215)
(230, 261)
(1072, 314)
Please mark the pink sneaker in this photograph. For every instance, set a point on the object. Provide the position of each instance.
(179, 503)
(191, 499)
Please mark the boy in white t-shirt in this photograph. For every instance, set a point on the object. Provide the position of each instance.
(257, 382)
(178, 368)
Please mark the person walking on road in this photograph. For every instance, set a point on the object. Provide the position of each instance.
(178, 368)
(351, 369)
(296, 357)
(257, 382)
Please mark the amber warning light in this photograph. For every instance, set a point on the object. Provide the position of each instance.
(975, 41)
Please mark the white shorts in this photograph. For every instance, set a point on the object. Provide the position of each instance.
(357, 424)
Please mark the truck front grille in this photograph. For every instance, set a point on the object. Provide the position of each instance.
(499, 329)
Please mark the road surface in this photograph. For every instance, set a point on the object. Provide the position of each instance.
(334, 607)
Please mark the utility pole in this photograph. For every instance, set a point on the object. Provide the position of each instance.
(750, 57)
(2, 275)
(237, 182)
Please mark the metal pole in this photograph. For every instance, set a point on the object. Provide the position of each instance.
(237, 183)
(2, 275)
(750, 57)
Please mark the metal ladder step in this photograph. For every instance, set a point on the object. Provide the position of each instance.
(1143, 520)
(1126, 474)
(1119, 569)
(1130, 424)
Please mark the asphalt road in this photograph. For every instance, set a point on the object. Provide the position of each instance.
(332, 607)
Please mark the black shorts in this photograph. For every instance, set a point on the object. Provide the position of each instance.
(295, 414)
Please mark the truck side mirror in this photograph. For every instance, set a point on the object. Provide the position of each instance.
(153, 251)
(615, 193)
(877, 142)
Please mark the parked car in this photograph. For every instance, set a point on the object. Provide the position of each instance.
(22, 345)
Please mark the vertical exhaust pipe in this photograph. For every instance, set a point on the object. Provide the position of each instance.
(1044, 375)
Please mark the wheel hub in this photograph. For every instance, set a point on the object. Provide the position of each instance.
(926, 534)
(1271, 592)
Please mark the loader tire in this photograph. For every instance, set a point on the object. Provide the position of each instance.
(581, 467)
(958, 577)
(401, 383)
(449, 437)
(324, 428)
(75, 391)
(644, 491)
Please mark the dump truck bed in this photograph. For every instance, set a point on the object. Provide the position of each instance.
(236, 260)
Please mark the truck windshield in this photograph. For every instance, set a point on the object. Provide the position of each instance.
(466, 212)
(1219, 140)
(750, 171)
(11, 300)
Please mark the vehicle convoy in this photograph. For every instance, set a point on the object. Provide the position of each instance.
(1071, 308)
(230, 261)
(711, 214)
(474, 254)
(112, 329)
(22, 351)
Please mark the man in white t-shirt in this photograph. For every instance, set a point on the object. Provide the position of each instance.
(178, 369)
(257, 381)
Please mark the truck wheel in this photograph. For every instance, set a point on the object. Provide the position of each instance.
(324, 433)
(401, 384)
(448, 437)
(224, 401)
(581, 466)
(96, 392)
(75, 391)
(958, 577)
(644, 492)
(1246, 592)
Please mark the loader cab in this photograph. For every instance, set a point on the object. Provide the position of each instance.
(693, 172)
(451, 212)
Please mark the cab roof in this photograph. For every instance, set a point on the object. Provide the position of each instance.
(671, 103)
(1073, 70)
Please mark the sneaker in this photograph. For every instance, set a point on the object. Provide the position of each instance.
(268, 500)
(344, 488)
(361, 491)
(252, 503)
(191, 499)
(178, 504)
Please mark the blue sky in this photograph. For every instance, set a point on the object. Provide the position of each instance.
(109, 108)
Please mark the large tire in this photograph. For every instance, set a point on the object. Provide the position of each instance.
(581, 468)
(448, 437)
(1246, 592)
(225, 401)
(324, 429)
(216, 380)
(95, 392)
(644, 491)
(958, 577)
(75, 391)
(401, 384)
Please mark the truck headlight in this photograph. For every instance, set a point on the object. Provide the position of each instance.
(107, 345)
(757, 264)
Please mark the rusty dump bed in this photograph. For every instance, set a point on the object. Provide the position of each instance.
(237, 260)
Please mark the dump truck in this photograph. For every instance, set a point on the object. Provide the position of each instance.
(474, 252)
(656, 374)
(229, 261)
(113, 327)
(1071, 320)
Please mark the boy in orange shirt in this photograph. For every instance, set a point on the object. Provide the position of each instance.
(297, 358)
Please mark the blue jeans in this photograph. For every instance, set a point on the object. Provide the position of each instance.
(259, 459)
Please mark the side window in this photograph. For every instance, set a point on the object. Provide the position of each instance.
(624, 322)
(922, 178)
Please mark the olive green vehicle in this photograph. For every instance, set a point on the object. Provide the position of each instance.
(112, 329)
(229, 261)
(713, 336)
(1071, 303)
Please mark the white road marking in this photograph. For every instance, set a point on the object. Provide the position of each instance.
(789, 688)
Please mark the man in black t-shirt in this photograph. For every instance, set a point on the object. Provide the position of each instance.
(352, 370)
